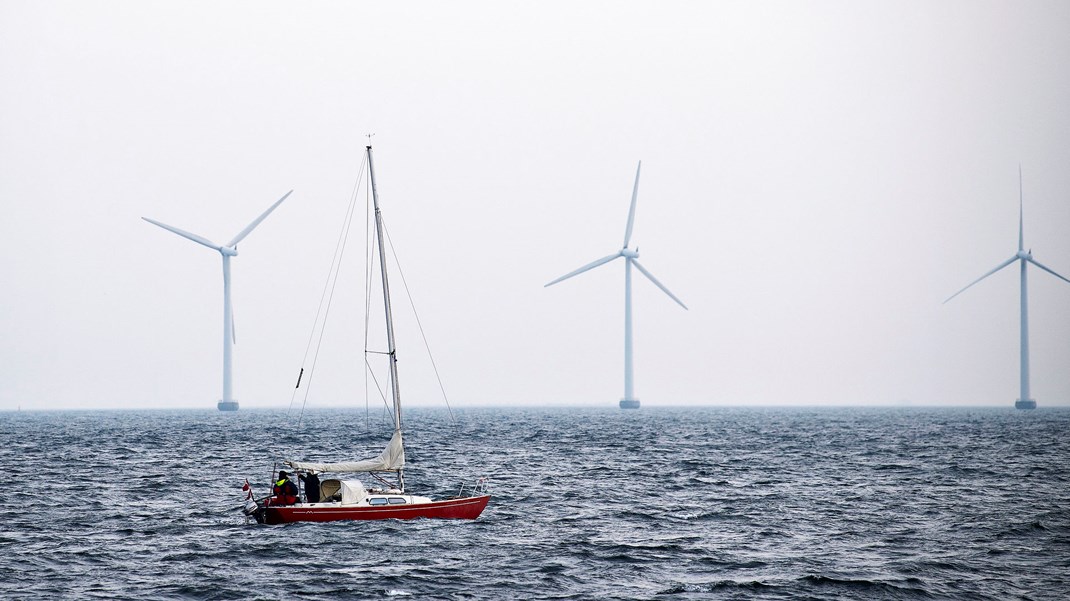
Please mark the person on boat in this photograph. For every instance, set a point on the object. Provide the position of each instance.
(312, 486)
(285, 490)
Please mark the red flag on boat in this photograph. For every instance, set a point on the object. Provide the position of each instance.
(246, 487)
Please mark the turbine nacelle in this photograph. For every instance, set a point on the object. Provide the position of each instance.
(1025, 254)
(629, 253)
(229, 251)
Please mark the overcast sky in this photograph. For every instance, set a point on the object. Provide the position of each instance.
(817, 178)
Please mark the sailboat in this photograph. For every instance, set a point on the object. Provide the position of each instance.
(343, 498)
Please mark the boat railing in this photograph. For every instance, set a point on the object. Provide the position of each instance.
(477, 490)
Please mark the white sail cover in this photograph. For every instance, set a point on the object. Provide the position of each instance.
(392, 459)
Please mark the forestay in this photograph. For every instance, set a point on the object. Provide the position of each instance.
(392, 459)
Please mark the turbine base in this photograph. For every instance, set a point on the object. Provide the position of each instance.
(629, 403)
(1025, 404)
(227, 405)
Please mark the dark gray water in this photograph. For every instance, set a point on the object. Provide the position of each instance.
(588, 504)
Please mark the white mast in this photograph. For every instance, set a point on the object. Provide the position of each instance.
(629, 388)
(1024, 400)
(395, 391)
(228, 338)
(1024, 369)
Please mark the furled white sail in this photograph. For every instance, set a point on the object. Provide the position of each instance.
(392, 459)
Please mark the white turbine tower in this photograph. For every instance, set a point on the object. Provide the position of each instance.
(228, 250)
(1025, 401)
(631, 257)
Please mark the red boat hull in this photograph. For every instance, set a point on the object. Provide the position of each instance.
(459, 509)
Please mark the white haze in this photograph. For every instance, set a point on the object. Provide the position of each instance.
(817, 178)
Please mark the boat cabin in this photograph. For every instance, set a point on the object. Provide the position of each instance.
(352, 492)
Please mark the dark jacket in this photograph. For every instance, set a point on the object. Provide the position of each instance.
(285, 492)
(312, 487)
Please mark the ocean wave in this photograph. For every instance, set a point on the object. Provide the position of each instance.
(587, 504)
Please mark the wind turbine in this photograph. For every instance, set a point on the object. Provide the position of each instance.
(631, 257)
(228, 250)
(1023, 257)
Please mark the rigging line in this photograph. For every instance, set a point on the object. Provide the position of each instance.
(323, 295)
(319, 341)
(330, 298)
(405, 284)
(315, 322)
(386, 403)
(334, 283)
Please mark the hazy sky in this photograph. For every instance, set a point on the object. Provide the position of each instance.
(817, 178)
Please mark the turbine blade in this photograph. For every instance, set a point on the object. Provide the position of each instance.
(1033, 261)
(1021, 203)
(1000, 266)
(241, 236)
(185, 234)
(657, 283)
(586, 267)
(631, 211)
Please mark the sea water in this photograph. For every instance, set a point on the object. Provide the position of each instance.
(659, 503)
